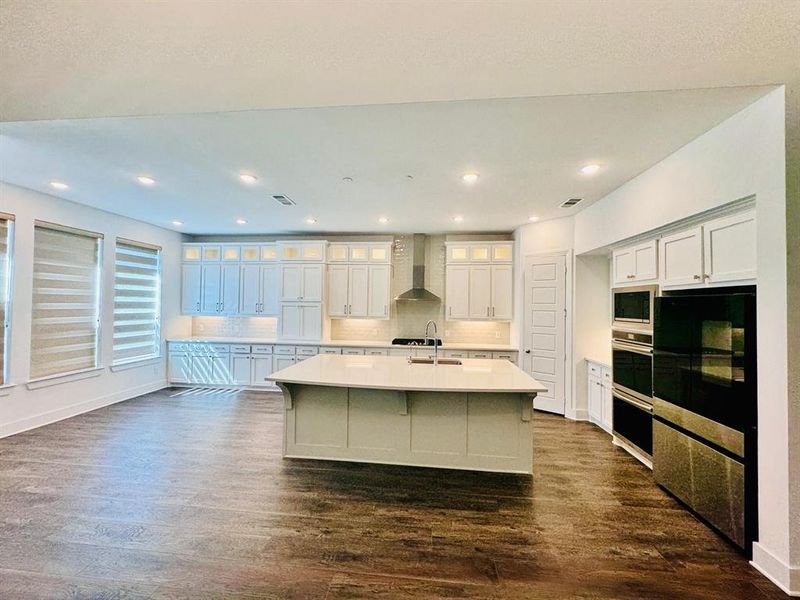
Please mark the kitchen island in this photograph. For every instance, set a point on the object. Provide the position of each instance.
(474, 415)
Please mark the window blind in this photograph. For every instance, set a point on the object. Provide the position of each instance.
(5, 268)
(137, 302)
(66, 300)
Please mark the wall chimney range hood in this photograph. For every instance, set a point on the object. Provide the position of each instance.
(418, 293)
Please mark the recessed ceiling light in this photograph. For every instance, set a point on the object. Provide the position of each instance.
(311, 220)
(458, 219)
(145, 180)
(590, 169)
(177, 223)
(347, 179)
(248, 177)
(533, 218)
(470, 177)
(383, 220)
(241, 222)
(59, 185)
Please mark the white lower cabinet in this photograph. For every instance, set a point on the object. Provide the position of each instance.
(261, 369)
(281, 361)
(241, 367)
(180, 367)
(599, 395)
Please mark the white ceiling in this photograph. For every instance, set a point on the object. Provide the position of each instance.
(94, 58)
(528, 152)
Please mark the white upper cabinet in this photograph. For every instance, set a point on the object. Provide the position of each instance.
(360, 252)
(305, 251)
(191, 288)
(636, 263)
(480, 292)
(301, 321)
(729, 248)
(338, 253)
(212, 288)
(479, 252)
(192, 252)
(457, 291)
(682, 257)
(338, 294)
(380, 283)
(301, 282)
(502, 292)
(258, 290)
(269, 290)
(479, 281)
(359, 290)
(229, 290)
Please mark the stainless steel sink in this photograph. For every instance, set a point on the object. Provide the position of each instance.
(429, 361)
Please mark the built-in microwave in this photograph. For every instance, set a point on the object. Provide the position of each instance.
(634, 307)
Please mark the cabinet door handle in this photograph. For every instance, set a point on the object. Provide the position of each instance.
(198, 307)
(706, 276)
(450, 311)
(493, 311)
(487, 311)
(385, 309)
(349, 309)
(697, 277)
(345, 309)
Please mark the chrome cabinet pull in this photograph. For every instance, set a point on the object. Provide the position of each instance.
(345, 309)
(450, 313)
(697, 276)
(487, 311)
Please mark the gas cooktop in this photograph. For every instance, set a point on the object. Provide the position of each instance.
(416, 342)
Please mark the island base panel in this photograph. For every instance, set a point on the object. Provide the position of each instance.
(455, 430)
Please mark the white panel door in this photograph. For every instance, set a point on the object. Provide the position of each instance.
(502, 294)
(337, 290)
(290, 321)
(311, 322)
(312, 283)
(240, 369)
(480, 292)
(269, 290)
(380, 283)
(682, 257)
(250, 289)
(212, 288)
(291, 283)
(457, 292)
(229, 299)
(358, 291)
(191, 289)
(729, 248)
(545, 328)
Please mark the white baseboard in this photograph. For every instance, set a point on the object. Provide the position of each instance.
(778, 572)
(72, 410)
(577, 414)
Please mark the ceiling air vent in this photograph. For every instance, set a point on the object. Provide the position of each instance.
(571, 202)
(285, 200)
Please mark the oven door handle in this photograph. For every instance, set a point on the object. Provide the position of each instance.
(633, 401)
(645, 350)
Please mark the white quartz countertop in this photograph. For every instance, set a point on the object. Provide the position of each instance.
(338, 343)
(396, 373)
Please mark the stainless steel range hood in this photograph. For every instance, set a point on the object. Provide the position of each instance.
(418, 293)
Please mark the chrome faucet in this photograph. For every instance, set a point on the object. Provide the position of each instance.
(435, 341)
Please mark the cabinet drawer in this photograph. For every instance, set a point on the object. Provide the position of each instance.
(479, 354)
(178, 347)
(307, 350)
(240, 348)
(606, 375)
(376, 352)
(286, 350)
(512, 356)
(261, 349)
(595, 370)
(216, 348)
(330, 350)
(456, 354)
(353, 351)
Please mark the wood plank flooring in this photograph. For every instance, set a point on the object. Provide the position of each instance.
(169, 497)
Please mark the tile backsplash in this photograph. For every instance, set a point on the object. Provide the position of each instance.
(407, 318)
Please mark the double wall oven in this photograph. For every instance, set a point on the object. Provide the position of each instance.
(632, 361)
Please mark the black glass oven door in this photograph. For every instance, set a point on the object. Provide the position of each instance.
(633, 370)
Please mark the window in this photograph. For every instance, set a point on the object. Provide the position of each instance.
(65, 322)
(6, 224)
(137, 302)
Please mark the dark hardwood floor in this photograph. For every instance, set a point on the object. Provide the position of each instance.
(188, 497)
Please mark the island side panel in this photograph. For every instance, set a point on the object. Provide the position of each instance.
(479, 431)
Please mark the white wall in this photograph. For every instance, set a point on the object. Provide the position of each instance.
(743, 156)
(22, 408)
